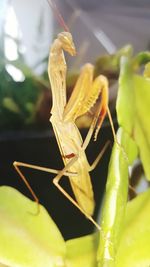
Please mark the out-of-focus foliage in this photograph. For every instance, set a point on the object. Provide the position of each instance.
(133, 105)
(109, 65)
(26, 104)
(20, 102)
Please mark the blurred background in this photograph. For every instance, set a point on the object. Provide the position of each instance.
(27, 28)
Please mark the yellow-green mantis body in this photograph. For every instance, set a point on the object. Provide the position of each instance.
(63, 117)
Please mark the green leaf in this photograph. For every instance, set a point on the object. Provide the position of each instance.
(128, 145)
(142, 121)
(109, 64)
(134, 249)
(31, 240)
(115, 200)
(82, 251)
(133, 109)
(146, 73)
(27, 239)
(10, 104)
(125, 99)
(141, 59)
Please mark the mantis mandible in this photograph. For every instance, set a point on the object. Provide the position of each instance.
(63, 117)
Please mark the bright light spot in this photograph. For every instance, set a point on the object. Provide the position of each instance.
(15, 73)
(12, 33)
(10, 49)
(142, 185)
(105, 41)
(11, 25)
(22, 49)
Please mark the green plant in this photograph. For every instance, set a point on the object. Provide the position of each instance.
(124, 239)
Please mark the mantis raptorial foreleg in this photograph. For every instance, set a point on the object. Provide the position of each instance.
(84, 96)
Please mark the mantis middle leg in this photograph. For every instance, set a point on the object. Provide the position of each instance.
(64, 192)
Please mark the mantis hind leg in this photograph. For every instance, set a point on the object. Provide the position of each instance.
(98, 158)
(60, 188)
(17, 166)
(56, 180)
(22, 176)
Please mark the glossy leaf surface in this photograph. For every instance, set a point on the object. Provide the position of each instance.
(82, 251)
(134, 249)
(27, 239)
(115, 200)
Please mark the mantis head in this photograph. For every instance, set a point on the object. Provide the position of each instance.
(67, 42)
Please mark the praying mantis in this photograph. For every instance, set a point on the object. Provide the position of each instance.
(63, 117)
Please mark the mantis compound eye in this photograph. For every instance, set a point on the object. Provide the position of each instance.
(67, 42)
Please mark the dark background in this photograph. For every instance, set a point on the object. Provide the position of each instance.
(42, 150)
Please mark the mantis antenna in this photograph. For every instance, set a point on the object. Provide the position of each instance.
(58, 15)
